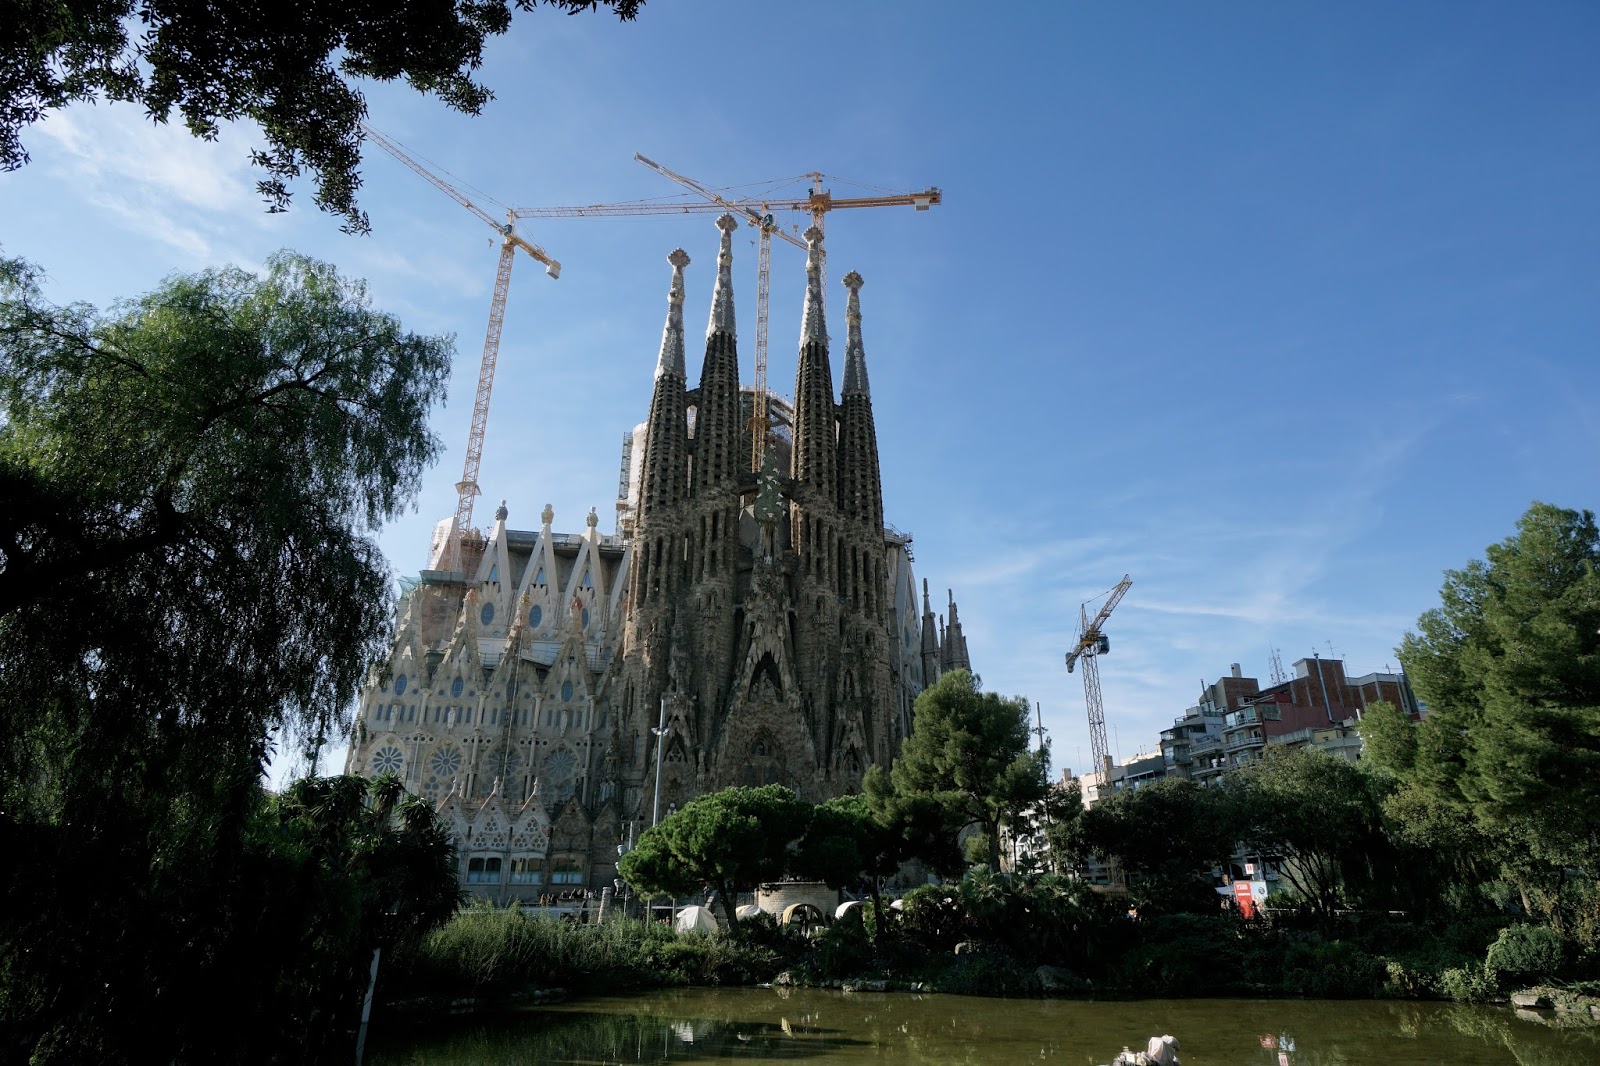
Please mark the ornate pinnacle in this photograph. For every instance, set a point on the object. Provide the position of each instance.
(722, 297)
(671, 360)
(855, 356)
(813, 327)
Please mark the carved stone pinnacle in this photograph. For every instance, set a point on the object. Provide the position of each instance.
(812, 235)
(727, 223)
(852, 281)
(678, 258)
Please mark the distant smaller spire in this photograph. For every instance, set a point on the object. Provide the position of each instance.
(855, 355)
(671, 361)
(722, 296)
(813, 324)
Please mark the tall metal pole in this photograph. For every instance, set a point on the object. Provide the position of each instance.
(660, 732)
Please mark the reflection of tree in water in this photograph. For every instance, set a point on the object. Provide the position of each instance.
(563, 1037)
(784, 1025)
(1529, 1041)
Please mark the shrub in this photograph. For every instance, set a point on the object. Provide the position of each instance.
(1336, 969)
(1467, 984)
(1523, 954)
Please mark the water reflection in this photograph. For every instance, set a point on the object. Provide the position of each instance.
(772, 1025)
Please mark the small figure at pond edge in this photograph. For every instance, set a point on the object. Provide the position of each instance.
(1160, 1051)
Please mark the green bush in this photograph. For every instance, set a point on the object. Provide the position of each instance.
(1336, 969)
(1467, 984)
(1523, 954)
(489, 953)
(844, 949)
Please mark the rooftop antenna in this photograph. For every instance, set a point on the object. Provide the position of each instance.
(1279, 674)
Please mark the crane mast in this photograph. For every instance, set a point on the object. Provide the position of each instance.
(1092, 643)
(510, 243)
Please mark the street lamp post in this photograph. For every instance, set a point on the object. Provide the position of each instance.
(660, 732)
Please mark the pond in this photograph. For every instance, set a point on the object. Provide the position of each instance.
(812, 1026)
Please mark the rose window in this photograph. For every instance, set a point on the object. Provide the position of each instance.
(387, 760)
(446, 762)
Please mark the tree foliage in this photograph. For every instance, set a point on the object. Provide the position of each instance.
(1509, 665)
(189, 487)
(290, 68)
(1167, 836)
(730, 841)
(968, 755)
(1319, 813)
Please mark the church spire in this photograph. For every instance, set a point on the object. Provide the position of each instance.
(813, 324)
(718, 455)
(722, 295)
(665, 472)
(671, 360)
(955, 643)
(855, 355)
(860, 492)
(930, 641)
(815, 430)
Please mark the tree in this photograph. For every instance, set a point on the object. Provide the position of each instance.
(845, 841)
(1388, 739)
(1167, 835)
(290, 68)
(968, 754)
(1063, 814)
(1317, 812)
(1509, 665)
(189, 487)
(729, 841)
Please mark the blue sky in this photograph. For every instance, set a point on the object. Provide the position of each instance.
(1281, 309)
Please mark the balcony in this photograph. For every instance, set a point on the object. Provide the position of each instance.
(1242, 742)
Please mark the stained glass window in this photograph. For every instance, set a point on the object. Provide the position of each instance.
(387, 760)
(487, 614)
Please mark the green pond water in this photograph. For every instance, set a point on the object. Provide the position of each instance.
(806, 1026)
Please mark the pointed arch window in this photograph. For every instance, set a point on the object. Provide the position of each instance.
(456, 686)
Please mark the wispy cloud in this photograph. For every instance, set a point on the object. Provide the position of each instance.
(159, 180)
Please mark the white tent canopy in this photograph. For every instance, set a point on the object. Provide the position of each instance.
(695, 920)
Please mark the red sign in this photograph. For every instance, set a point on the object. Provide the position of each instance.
(1243, 899)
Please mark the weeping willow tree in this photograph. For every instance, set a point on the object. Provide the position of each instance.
(190, 484)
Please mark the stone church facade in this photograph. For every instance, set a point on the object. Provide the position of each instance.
(770, 619)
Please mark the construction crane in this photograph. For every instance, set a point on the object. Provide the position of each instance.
(754, 214)
(759, 212)
(510, 243)
(1093, 643)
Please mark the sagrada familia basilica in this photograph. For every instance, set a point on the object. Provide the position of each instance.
(759, 626)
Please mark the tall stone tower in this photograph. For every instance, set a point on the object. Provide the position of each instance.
(750, 627)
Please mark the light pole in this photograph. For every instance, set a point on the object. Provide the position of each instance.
(660, 732)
